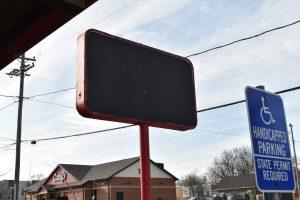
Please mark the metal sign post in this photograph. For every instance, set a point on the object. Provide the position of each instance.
(270, 141)
(145, 174)
(296, 161)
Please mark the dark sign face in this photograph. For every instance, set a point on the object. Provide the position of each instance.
(124, 81)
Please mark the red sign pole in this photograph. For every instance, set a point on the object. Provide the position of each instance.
(145, 163)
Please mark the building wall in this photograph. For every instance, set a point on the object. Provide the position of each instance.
(101, 190)
(85, 192)
(74, 194)
(162, 188)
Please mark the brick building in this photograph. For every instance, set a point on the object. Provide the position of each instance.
(117, 180)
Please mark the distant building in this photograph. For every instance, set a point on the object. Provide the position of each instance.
(182, 193)
(243, 185)
(236, 185)
(119, 180)
(207, 190)
(7, 189)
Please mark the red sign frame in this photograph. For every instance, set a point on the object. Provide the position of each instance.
(81, 88)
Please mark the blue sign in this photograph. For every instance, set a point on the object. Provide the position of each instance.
(270, 141)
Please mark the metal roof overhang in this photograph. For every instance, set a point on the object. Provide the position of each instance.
(24, 23)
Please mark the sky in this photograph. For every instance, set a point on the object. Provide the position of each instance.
(182, 27)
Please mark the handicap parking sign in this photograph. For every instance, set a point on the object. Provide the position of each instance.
(270, 141)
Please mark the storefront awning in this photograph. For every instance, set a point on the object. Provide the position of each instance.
(24, 23)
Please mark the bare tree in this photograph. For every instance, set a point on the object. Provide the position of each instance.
(235, 162)
(194, 182)
(36, 177)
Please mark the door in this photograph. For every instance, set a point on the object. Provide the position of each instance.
(119, 196)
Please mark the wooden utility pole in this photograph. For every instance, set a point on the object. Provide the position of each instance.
(22, 73)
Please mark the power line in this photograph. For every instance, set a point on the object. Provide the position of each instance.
(42, 78)
(50, 103)
(123, 127)
(98, 21)
(195, 54)
(2, 95)
(53, 81)
(80, 134)
(243, 39)
(240, 40)
(6, 139)
(9, 105)
(39, 95)
(198, 111)
(223, 133)
(242, 101)
(5, 173)
(67, 39)
(7, 145)
(34, 141)
(48, 93)
(112, 129)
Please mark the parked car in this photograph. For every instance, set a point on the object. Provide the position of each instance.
(236, 197)
(197, 198)
(217, 198)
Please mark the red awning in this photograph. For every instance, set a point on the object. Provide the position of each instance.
(24, 23)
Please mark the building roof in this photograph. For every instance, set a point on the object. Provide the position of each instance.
(235, 182)
(78, 171)
(107, 170)
(85, 173)
(35, 186)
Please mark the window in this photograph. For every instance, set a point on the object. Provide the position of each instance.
(52, 196)
(42, 196)
(119, 195)
(94, 194)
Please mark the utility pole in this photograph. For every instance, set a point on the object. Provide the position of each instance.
(22, 73)
(296, 161)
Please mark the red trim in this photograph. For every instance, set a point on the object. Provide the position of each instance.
(81, 88)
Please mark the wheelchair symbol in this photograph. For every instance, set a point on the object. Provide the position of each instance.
(266, 114)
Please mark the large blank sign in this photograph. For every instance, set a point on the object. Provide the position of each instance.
(120, 80)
